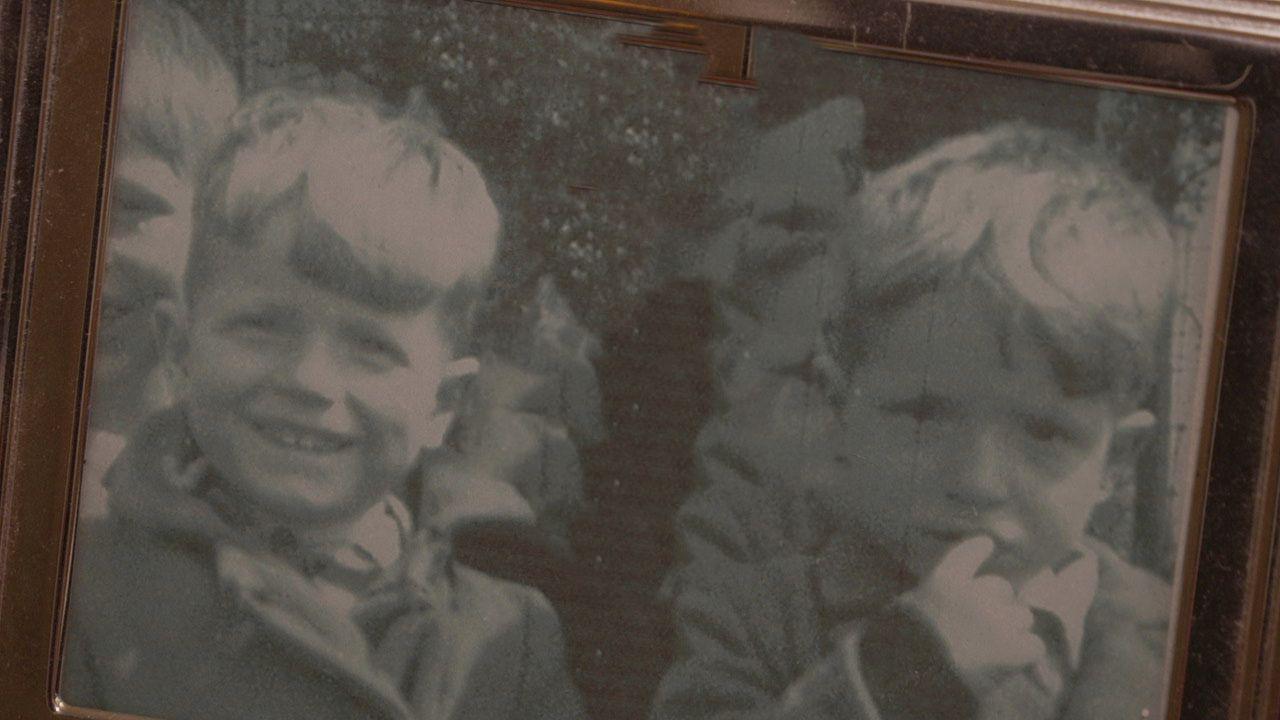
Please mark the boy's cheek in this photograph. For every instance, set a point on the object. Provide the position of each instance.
(221, 371)
(394, 429)
(399, 424)
(900, 448)
(1068, 501)
(1065, 513)
(396, 392)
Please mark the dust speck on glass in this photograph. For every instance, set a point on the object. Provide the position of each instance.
(461, 361)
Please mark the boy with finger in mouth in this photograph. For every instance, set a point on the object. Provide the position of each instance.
(988, 352)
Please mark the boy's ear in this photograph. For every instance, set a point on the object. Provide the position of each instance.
(1133, 432)
(1136, 421)
(1131, 435)
(456, 382)
(456, 386)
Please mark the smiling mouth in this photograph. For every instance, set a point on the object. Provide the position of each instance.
(302, 439)
(953, 535)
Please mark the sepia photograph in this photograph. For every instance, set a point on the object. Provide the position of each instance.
(454, 360)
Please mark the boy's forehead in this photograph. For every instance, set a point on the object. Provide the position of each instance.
(958, 339)
(418, 207)
(270, 263)
(266, 276)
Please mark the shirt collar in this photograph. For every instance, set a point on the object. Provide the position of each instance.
(351, 554)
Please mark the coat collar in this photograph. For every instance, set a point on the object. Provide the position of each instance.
(160, 483)
(309, 619)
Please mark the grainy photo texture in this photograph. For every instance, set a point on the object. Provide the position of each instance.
(461, 361)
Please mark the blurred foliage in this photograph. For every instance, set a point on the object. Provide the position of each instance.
(1171, 147)
(607, 160)
(601, 156)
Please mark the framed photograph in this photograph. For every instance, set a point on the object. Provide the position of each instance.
(678, 360)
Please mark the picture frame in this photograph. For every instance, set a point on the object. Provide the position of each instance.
(1224, 659)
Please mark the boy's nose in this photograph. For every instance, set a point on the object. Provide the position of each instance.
(313, 377)
(982, 473)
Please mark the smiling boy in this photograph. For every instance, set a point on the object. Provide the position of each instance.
(988, 356)
(176, 97)
(256, 561)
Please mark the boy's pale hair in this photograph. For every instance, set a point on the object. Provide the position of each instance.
(392, 214)
(177, 92)
(1068, 248)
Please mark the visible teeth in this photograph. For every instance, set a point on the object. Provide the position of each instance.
(304, 441)
(1007, 531)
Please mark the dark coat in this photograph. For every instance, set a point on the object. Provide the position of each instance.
(173, 614)
(765, 641)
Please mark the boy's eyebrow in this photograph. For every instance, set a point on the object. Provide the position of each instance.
(273, 309)
(139, 198)
(801, 216)
(924, 399)
(372, 333)
(1076, 428)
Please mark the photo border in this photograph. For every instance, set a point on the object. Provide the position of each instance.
(1226, 660)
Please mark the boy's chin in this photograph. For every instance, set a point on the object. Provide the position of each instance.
(309, 508)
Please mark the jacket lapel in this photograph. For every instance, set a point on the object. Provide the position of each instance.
(297, 612)
(155, 484)
(476, 666)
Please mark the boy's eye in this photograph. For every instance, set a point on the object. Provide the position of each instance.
(380, 351)
(258, 324)
(800, 217)
(1048, 430)
(132, 205)
(921, 408)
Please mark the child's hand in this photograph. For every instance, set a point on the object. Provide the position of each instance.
(979, 618)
